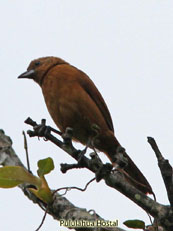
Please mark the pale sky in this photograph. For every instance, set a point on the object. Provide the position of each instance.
(126, 47)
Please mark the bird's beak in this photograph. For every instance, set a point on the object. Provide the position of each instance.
(28, 75)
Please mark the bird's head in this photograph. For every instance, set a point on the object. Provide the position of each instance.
(38, 68)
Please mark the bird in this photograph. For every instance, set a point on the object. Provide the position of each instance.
(74, 101)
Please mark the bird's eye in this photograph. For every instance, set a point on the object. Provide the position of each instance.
(37, 63)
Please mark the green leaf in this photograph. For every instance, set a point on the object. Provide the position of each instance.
(135, 224)
(43, 193)
(45, 166)
(11, 176)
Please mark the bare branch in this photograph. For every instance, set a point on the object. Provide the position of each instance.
(61, 208)
(165, 168)
(163, 214)
(26, 150)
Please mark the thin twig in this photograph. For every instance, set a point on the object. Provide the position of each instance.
(165, 169)
(74, 187)
(155, 148)
(43, 219)
(61, 205)
(114, 180)
(26, 151)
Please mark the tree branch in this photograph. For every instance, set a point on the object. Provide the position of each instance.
(61, 208)
(165, 169)
(114, 179)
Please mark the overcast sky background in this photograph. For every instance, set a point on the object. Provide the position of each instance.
(126, 47)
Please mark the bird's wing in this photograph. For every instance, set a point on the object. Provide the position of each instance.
(93, 92)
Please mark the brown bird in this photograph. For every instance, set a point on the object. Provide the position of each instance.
(74, 101)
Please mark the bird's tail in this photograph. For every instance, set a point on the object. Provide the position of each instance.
(135, 176)
(109, 145)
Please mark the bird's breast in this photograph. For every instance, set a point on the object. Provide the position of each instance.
(70, 105)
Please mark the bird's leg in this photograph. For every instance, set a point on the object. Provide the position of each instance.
(82, 153)
(103, 169)
(67, 139)
(96, 130)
